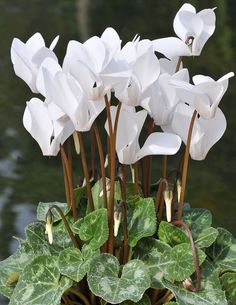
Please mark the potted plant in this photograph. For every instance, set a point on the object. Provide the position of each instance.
(122, 236)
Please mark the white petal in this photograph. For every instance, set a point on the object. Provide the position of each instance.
(147, 69)
(37, 122)
(47, 71)
(159, 143)
(98, 57)
(171, 47)
(21, 62)
(54, 42)
(34, 43)
(213, 131)
(179, 28)
(112, 42)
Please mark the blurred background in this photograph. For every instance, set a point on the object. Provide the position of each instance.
(26, 177)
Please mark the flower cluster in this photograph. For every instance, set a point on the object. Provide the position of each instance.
(100, 68)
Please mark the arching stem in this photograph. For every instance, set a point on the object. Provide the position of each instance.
(72, 237)
(85, 170)
(185, 166)
(70, 183)
(102, 163)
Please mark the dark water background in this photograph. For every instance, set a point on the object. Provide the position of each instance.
(27, 178)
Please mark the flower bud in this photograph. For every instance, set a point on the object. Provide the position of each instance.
(49, 226)
(187, 284)
(76, 142)
(106, 161)
(179, 188)
(168, 196)
(117, 221)
(108, 187)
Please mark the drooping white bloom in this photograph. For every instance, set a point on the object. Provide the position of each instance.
(205, 132)
(64, 92)
(161, 99)
(27, 57)
(127, 142)
(193, 30)
(95, 64)
(145, 66)
(205, 95)
(47, 131)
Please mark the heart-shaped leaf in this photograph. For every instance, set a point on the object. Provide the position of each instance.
(141, 220)
(178, 262)
(105, 280)
(43, 208)
(171, 234)
(149, 250)
(210, 293)
(197, 220)
(75, 263)
(228, 282)
(93, 228)
(223, 251)
(40, 283)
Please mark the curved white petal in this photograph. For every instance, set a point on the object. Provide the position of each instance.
(179, 27)
(97, 52)
(37, 122)
(171, 47)
(34, 43)
(147, 69)
(54, 43)
(47, 71)
(112, 42)
(159, 143)
(213, 131)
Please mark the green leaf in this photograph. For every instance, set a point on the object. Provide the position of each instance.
(144, 301)
(105, 280)
(206, 237)
(93, 228)
(36, 238)
(11, 268)
(40, 283)
(141, 219)
(178, 262)
(36, 244)
(149, 250)
(210, 293)
(228, 282)
(197, 220)
(171, 303)
(75, 264)
(223, 251)
(43, 208)
(171, 234)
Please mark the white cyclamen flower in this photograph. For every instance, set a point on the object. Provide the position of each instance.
(145, 71)
(193, 30)
(205, 132)
(64, 91)
(27, 57)
(49, 133)
(205, 95)
(127, 141)
(95, 65)
(161, 98)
